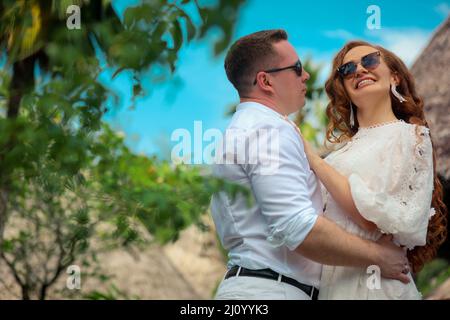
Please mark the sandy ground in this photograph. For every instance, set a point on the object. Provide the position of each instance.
(190, 268)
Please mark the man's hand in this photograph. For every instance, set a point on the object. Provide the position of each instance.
(393, 262)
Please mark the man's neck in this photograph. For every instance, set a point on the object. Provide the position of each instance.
(266, 102)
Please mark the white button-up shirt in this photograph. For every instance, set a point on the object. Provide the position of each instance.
(287, 197)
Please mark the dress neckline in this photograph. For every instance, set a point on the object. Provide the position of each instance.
(382, 124)
(368, 131)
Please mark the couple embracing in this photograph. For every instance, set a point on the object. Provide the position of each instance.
(318, 225)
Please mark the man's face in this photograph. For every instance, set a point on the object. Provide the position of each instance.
(289, 88)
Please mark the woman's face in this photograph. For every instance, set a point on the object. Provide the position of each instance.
(367, 83)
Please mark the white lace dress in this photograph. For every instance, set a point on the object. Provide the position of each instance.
(390, 171)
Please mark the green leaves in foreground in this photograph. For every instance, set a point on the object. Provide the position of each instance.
(164, 198)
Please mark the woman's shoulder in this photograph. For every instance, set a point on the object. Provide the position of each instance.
(413, 126)
(410, 132)
(411, 137)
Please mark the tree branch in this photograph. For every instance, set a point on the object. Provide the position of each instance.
(12, 266)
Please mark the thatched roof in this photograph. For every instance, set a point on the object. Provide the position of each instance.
(433, 82)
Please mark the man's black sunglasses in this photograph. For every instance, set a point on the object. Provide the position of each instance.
(370, 62)
(297, 68)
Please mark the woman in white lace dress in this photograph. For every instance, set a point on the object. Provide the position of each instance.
(382, 178)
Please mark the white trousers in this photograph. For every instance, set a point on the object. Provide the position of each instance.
(253, 288)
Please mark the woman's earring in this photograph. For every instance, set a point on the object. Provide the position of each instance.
(396, 94)
(352, 117)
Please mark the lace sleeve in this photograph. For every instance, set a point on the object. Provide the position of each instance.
(398, 198)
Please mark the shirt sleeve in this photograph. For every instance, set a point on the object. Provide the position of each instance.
(282, 193)
(398, 197)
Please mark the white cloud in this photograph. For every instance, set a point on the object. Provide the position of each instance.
(443, 9)
(339, 34)
(406, 43)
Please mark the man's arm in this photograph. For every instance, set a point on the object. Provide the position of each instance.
(329, 244)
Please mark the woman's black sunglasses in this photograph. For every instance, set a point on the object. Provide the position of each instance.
(298, 68)
(370, 62)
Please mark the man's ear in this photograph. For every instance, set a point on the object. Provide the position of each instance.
(263, 81)
(260, 77)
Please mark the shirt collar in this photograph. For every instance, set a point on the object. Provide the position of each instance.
(258, 106)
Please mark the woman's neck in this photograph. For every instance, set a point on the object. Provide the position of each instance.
(376, 113)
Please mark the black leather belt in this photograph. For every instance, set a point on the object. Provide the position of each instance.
(311, 291)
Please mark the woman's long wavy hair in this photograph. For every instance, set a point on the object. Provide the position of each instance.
(410, 111)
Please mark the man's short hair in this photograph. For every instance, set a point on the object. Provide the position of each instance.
(250, 54)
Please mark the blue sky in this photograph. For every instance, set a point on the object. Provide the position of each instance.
(200, 91)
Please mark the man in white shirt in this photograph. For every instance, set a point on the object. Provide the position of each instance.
(276, 247)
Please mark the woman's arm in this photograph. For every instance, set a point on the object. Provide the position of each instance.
(338, 186)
